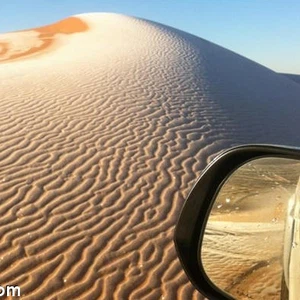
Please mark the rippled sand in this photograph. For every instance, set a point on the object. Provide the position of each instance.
(106, 121)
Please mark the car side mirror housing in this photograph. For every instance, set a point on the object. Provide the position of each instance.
(238, 235)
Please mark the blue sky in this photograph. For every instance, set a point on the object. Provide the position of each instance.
(266, 31)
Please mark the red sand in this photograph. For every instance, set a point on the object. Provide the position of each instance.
(47, 36)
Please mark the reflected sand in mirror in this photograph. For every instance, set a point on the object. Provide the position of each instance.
(242, 251)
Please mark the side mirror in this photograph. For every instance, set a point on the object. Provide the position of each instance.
(238, 235)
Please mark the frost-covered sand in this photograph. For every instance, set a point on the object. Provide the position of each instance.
(105, 123)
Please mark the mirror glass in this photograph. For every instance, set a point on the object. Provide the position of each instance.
(250, 246)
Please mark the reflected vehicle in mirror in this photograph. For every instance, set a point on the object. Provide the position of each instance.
(238, 234)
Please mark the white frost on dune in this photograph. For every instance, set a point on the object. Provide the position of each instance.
(103, 135)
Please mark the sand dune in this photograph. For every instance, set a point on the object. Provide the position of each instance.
(294, 77)
(32, 42)
(247, 272)
(105, 123)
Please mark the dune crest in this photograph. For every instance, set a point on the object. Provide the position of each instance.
(41, 39)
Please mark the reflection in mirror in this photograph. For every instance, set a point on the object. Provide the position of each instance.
(250, 245)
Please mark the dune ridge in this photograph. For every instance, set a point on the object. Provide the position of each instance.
(102, 137)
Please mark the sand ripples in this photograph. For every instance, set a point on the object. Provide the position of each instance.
(97, 155)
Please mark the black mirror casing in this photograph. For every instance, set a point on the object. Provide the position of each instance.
(191, 225)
